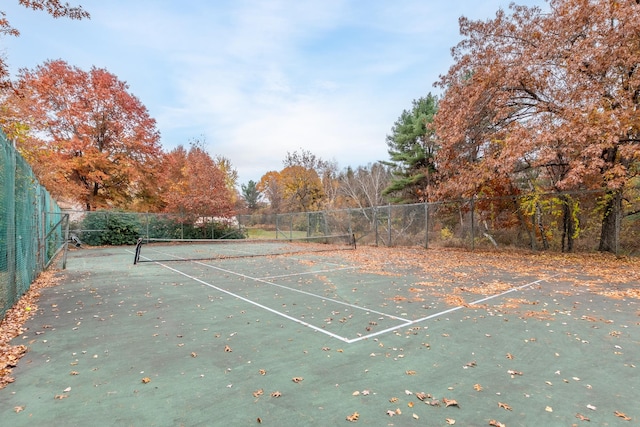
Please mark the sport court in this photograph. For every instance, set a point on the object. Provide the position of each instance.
(371, 336)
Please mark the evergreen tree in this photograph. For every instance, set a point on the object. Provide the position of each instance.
(412, 148)
(251, 194)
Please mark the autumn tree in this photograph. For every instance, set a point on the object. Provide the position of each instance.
(412, 147)
(193, 185)
(86, 136)
(556, 91)
(55, 8)
(271, 187)
(230, 173)
(326, 170)
(301, 189)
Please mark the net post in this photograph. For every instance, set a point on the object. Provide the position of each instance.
(136, 257)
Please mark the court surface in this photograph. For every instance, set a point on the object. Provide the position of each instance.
(372, 336)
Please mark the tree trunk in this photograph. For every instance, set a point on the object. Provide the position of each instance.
(543, 234)
(611, 222)
(568, 224)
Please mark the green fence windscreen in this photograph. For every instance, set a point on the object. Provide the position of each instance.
(31, 231)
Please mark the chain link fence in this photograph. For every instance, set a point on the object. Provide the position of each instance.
(570, 222)
(31, 226)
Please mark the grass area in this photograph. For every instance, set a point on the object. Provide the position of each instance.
(258, 233)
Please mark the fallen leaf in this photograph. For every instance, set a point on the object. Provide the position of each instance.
(258, 393)
(504, 405)
(495, 423)
(415, 416)
(297, 379)
(259, 420)
(449, 402)
(61, 396)
(410, 372)
(366, 392)
(590, 406)
(146, 380)
(450, 421)
(194, 354)
(622, 415)
(353, 417)
(262, 372)
(423, 396)
(18, 409)
(548, 409)
(276, 394)
(410, 404)
(510, 356)
(582, 417)
(477, 387)
(227, 349)
(393, 400)
(391, 413)
(355, 393)
(74, 373)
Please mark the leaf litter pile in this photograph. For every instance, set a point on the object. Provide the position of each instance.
(12, 324)
(433, 371)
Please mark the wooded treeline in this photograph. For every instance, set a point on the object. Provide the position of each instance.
(537, 101)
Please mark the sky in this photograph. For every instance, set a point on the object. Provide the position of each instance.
(257, 79)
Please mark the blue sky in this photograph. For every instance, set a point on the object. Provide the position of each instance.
(259, 78)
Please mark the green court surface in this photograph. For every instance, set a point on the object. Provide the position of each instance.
(373, 336)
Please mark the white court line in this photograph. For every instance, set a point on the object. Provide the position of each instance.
(256, 279)
(286, 316)
(406, 323)
(261, 280)
(452, 309)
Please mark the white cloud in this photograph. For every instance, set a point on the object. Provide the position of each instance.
(259, 78)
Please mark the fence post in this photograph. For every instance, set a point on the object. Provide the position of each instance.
(426, 225)
(389, 225)
(375, 223)
(473, 227)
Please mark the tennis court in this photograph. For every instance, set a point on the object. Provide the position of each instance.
(371, 336)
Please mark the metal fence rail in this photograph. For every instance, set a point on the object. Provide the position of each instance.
(534, 222)
(31, 226)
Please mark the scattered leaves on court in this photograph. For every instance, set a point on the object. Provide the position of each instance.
(12, 325)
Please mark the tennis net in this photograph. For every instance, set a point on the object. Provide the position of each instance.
(165, 250)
